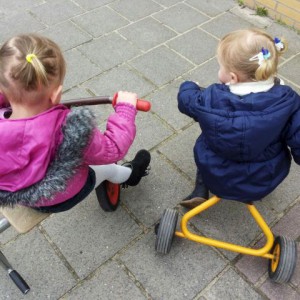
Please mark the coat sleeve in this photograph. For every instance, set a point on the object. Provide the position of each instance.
(113, 144)
(293, 136)
(190, 95)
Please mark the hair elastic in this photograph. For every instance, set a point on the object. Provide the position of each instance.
(263, 55)
(29, 57)
(278, 44)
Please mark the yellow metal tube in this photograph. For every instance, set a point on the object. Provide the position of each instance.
(224, 245)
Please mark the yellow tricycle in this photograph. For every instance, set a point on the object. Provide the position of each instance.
(281, 251)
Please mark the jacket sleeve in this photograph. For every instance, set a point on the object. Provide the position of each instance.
(189, 96)
(293, 136)
(114, 143)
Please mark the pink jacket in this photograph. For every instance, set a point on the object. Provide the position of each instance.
(29, 146)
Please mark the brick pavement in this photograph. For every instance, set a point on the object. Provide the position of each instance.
(147, 46)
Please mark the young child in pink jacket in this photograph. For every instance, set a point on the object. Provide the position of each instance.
(52, 157)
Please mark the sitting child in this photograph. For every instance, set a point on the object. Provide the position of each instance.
(250, 122)
(53, 157)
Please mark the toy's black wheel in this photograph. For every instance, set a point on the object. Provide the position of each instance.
(166, 230)
(108, 195)
(282, 266)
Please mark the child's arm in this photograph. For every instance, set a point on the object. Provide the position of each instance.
(293, 140)
(112, 145)
(189, 96)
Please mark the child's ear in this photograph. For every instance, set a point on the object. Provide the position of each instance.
(56, 95)
(233, 78)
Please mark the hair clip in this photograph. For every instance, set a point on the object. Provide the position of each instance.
(29, 57)
(263, 55)
(278, 44)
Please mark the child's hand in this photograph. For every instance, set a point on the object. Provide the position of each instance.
(127, 97)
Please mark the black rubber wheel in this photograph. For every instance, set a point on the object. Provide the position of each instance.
(282, 267)
(108, 195)
(166, 231)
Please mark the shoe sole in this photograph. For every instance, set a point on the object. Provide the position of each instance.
(192, 203)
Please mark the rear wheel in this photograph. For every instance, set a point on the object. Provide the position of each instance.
(108, 195)
(282, 266)
(166, 230)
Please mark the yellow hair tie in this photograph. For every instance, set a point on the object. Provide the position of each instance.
(29, 57)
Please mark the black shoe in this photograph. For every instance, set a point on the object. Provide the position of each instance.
(139, 166)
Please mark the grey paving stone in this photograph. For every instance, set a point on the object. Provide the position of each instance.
(212, 7)
(164, 104)
(224, 24)
(109, 51)
(121, 78)
(56, 11)
(148, 125)
(181, 274)
(231, 286)
(180, 150)
(286, 193)
(190, 45)
(135, 9)
(79, 69)
(295, 280)
(161, 65)
(33, 257)
(231, 221)
(59, 32)
(91, 4)
(164, 187)
(91, 236)
(7, 235)
(147, 33)
(275, 291)
(109, 283)
(14, 24)
(289, 224)
(181, 17)
(100, 21)
(10, 7)
(168, 3)
(206, 74)
(290, 69)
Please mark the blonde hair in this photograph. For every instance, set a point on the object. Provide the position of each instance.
(46, 64)
(236, 48)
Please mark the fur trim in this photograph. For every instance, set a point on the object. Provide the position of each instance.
(77, 133)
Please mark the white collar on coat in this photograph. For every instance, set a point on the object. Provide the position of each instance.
(244, 88)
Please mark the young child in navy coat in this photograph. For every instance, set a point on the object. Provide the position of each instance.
(250, 122)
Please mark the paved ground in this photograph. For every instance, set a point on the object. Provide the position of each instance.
(147, 46)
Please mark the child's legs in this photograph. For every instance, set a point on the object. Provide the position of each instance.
(113, 173)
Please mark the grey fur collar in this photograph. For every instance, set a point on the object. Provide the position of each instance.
(77, 132)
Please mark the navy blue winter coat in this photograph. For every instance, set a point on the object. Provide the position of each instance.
(244, 150)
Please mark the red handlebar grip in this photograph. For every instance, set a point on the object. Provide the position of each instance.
(142, 105)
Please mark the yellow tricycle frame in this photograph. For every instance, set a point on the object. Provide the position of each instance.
(262, 252)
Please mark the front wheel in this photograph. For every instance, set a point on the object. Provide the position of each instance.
(166, 230)
(108, 195)
(282, 266)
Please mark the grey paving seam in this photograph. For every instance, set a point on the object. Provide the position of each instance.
(137, 283)
(59, 253)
